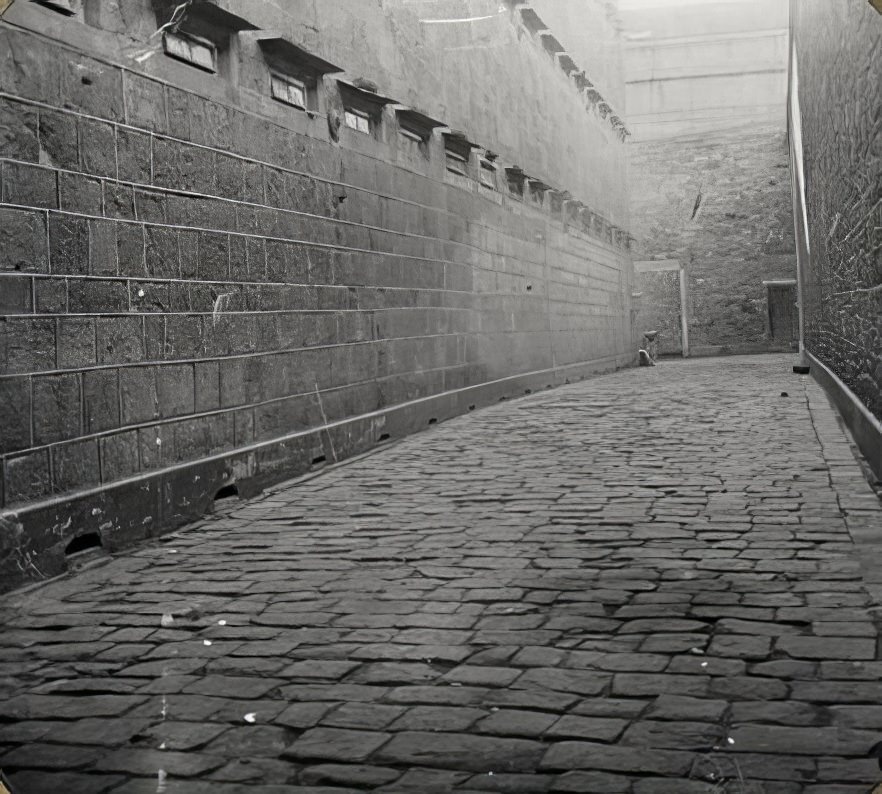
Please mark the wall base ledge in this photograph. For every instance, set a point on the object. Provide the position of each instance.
(865, 428)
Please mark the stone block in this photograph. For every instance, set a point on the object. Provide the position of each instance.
(26, 345)
(150, 206)
(133, 150)
(230, 177)
(50, 295)
(213, 262)
(16, 295)
(156, 445)
(15, 414)
(175, 390)
(210, 123)
(139, 399)
(130, 249)
(102, 248)
(58, 140)
(29, 185)
(178, 107)
(28, 67)
(119, 456)
(183, 337)
(101, 402)
(97, 296)
(76, 342)
(97, 148)
(68, 244)
(120, 340)
(27, 477)
(18, 131)
(161, 252)
(119, 201)
(57, 408)
(77, 193)
(145, 100)
(207, 386)
(92, 87)
(75, 465)
(336, 744)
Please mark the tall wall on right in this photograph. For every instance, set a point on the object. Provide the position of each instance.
(839, 54)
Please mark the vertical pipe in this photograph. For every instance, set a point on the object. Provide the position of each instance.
(797, 185)
(684, 318)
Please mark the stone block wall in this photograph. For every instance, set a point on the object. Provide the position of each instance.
(840, 97)
(719, 203)
(203, 289)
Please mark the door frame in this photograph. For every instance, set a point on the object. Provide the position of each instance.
(781, 282)
(659, 265)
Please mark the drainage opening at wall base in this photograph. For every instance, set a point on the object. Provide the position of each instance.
(224, 498)
(227, 492)
(84, 542)
(472, 407)
(318, 460)
(528, 391)
(384, 437)
(433, 420)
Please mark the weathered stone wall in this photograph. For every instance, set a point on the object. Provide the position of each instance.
(710, 184)
(719, 203)
(840, 96)
(200, 286)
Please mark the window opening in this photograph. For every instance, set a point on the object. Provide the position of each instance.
(357, 120)
(191, 49)
(515, 178)
(288, 90)
(456, 163)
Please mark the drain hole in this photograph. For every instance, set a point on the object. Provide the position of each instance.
(384, 437)
(91, 540)
(503, 399)
(528, 391)
(433, 421)
(319, 459)
(471, 407)
(226, 492)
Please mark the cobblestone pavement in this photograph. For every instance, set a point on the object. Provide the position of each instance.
(640, 583)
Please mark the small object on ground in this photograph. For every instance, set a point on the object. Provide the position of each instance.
(645, 358)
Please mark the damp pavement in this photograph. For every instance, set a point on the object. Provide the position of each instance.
(656, 582)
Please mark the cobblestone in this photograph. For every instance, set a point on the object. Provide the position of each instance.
(639, 584)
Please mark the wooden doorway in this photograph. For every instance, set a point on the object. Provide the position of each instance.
(783, 315)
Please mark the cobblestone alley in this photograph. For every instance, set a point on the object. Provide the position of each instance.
(646, 582)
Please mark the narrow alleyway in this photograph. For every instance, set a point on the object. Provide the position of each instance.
(640, 583)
